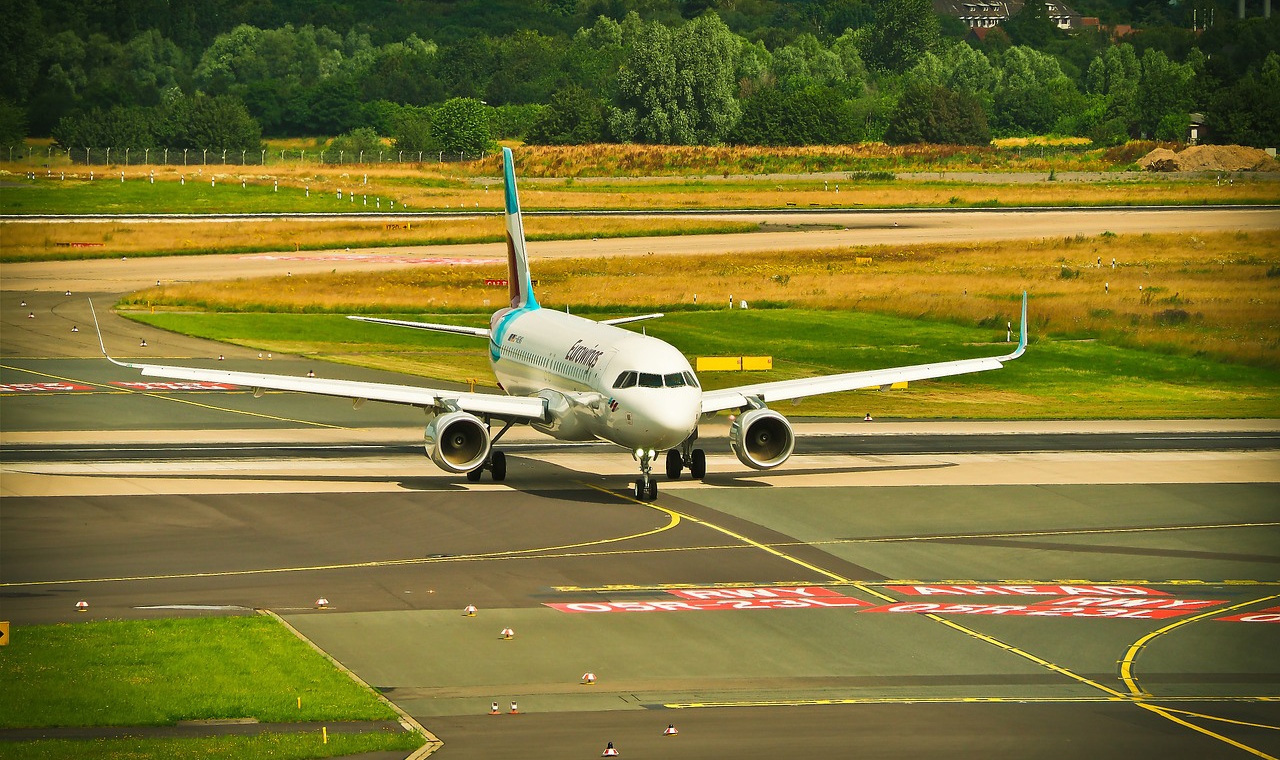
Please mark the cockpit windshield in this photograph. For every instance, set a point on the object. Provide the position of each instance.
(631, 379)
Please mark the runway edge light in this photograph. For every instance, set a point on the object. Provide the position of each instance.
(671, 730)
(589, 679)
(508, 634)
(470, 611)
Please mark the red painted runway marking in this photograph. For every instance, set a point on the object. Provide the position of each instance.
(1159, 603)
(43, 388)
(1024, 590)
(760, 598)
(1029, 610)
(1269, 615)
(175, 386)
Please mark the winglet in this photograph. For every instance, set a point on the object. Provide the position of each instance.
(101, 344)
(1022, 334)
(519, 285)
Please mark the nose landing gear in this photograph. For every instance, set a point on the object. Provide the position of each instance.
(646, 487)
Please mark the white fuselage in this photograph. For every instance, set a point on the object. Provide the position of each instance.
(600, 381)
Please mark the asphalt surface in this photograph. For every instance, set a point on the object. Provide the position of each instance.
(160, 502)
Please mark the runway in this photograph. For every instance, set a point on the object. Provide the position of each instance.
(149, 526)
(845, 228)
(1004, 590)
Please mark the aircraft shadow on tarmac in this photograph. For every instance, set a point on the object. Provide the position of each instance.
(537, 478)
(749, 479)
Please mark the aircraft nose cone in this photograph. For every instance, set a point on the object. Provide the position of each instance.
(669, 423)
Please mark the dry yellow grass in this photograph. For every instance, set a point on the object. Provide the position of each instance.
(1215, 295)
(41, 239)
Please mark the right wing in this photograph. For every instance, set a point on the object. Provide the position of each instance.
(782, 390)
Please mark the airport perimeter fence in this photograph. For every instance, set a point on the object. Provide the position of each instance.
(49, 156)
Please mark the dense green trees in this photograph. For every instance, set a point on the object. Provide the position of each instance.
(662, 71)
(928, 113)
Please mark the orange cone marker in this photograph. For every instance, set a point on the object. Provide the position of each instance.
(514, 709)
(493, 709)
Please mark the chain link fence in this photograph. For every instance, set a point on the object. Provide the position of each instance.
(52, 155)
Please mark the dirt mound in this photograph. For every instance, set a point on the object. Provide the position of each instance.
(1209, 158)
(1160, 160)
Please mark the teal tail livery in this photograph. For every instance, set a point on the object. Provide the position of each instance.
(577, 379)
(519, 284)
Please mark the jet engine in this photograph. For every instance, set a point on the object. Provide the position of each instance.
(761, 438)
(457, 441)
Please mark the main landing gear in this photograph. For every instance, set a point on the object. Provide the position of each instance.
(496, 464)
(687, 456)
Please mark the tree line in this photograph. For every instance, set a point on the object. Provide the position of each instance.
(648, 71)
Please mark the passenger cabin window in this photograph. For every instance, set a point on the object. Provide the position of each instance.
(648, 380)
(625, 380)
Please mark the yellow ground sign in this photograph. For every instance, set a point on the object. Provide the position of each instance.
(734, 363)
(4, 632)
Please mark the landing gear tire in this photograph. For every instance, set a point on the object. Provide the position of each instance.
(674, 464)
(698, 464)
(474, 475)
(498, 465)
(646, 488)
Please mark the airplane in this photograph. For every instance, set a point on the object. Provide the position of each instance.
(577, 379)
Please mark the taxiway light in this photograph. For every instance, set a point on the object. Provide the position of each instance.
(470, 611)
(82, 606)
(508, 634)
(671, 730)
(321, 603)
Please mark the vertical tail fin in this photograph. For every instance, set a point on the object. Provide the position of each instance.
(519, 285)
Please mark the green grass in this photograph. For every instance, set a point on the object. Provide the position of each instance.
(1056, 379)
(279, 746)
(108, 195)
(158, 672)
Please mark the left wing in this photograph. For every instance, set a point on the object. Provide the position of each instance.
(781, 390)
(520, 408)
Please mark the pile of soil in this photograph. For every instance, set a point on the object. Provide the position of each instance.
(1209, 158)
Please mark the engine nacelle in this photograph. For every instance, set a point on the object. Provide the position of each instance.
(457, 441)
(761, 438)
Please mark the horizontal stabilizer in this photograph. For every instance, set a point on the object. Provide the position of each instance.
(628, 320)
(478, 332)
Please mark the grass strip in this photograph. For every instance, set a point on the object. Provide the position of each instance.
(1056, 379)
(159, 672)
(52, 241)
(278, 746)
(1214, 296)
